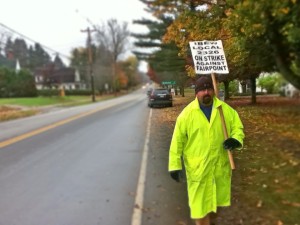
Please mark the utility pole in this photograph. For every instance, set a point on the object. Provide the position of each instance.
(89, 40)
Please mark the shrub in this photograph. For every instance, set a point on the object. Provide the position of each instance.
(14, 84)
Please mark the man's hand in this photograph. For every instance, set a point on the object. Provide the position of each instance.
(175, 175)
(231, 144)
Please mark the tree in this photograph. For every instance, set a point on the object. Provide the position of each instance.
(9, 48)
(14, 84)
(38, 56)
(198, 21)
(273, 24)
(113, 38)
(103, 69)
(169, 66)
(20, 52)
(163, 60)
(4, 36)
(24, 84)
(130, 68)
(122, 79)
(269, 82)
(151, 41)
(58, 63)
(211, 23)
(251, 32)
(79, 61)
(248, 66)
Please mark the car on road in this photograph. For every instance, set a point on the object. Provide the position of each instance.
(160, 97)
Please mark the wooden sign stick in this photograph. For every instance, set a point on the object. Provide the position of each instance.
(222, 121)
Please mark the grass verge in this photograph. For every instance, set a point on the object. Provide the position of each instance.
(13, 108)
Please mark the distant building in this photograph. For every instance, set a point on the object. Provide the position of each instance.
(245, 87)
(290, 91)
(18, 67)
(53, 77)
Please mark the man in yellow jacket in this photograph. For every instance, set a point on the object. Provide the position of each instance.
(198, 139)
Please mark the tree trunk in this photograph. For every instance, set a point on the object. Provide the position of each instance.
(282, 62)
(226, 87)
(253, 90)
(244, 86)
(182, 90)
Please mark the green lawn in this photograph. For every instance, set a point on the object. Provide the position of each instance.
(43, 101)
(13, 108)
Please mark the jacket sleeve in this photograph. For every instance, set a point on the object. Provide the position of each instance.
(178, 142)
(237, 129)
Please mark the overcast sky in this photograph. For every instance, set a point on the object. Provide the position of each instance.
(57, 24)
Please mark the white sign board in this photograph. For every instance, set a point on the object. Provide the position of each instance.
(209, 57)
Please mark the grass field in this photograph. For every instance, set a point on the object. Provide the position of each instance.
(43, 101)
(268, 180)
(13, 108)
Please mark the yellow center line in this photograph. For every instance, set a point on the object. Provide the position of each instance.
(43, 129)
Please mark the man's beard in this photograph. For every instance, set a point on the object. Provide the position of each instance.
(207, 100)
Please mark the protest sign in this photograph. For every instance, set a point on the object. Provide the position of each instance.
(208, 57)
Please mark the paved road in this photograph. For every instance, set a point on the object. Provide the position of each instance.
(23, 125)
(86, 171)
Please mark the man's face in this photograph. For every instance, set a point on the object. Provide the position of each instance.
(205, 97)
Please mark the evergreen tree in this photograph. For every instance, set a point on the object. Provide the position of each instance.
(163, 59)
(20, 52)
(58, 63)
(9, 49)
(79, 61)
(38, 56)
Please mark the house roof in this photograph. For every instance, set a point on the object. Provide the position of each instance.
(56, 75)
(64, 75)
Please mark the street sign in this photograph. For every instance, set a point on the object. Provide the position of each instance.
(208, 57)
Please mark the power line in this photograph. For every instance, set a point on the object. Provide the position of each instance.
(30, 39)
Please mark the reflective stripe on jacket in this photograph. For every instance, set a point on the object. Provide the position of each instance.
(200, 143)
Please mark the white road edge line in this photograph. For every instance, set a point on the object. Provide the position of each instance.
(136, 218)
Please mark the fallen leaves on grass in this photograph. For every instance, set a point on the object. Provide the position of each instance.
(294, 204)
(259, 204)
(9, 113)
(267, 165)
(271, 158)
(279, 222)
(181, 222)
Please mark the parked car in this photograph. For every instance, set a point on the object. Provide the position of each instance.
(160, 97)
(149, 91)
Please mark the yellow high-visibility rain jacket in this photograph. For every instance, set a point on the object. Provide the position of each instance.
(200, 143)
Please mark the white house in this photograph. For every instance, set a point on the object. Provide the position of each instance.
(290, 91)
